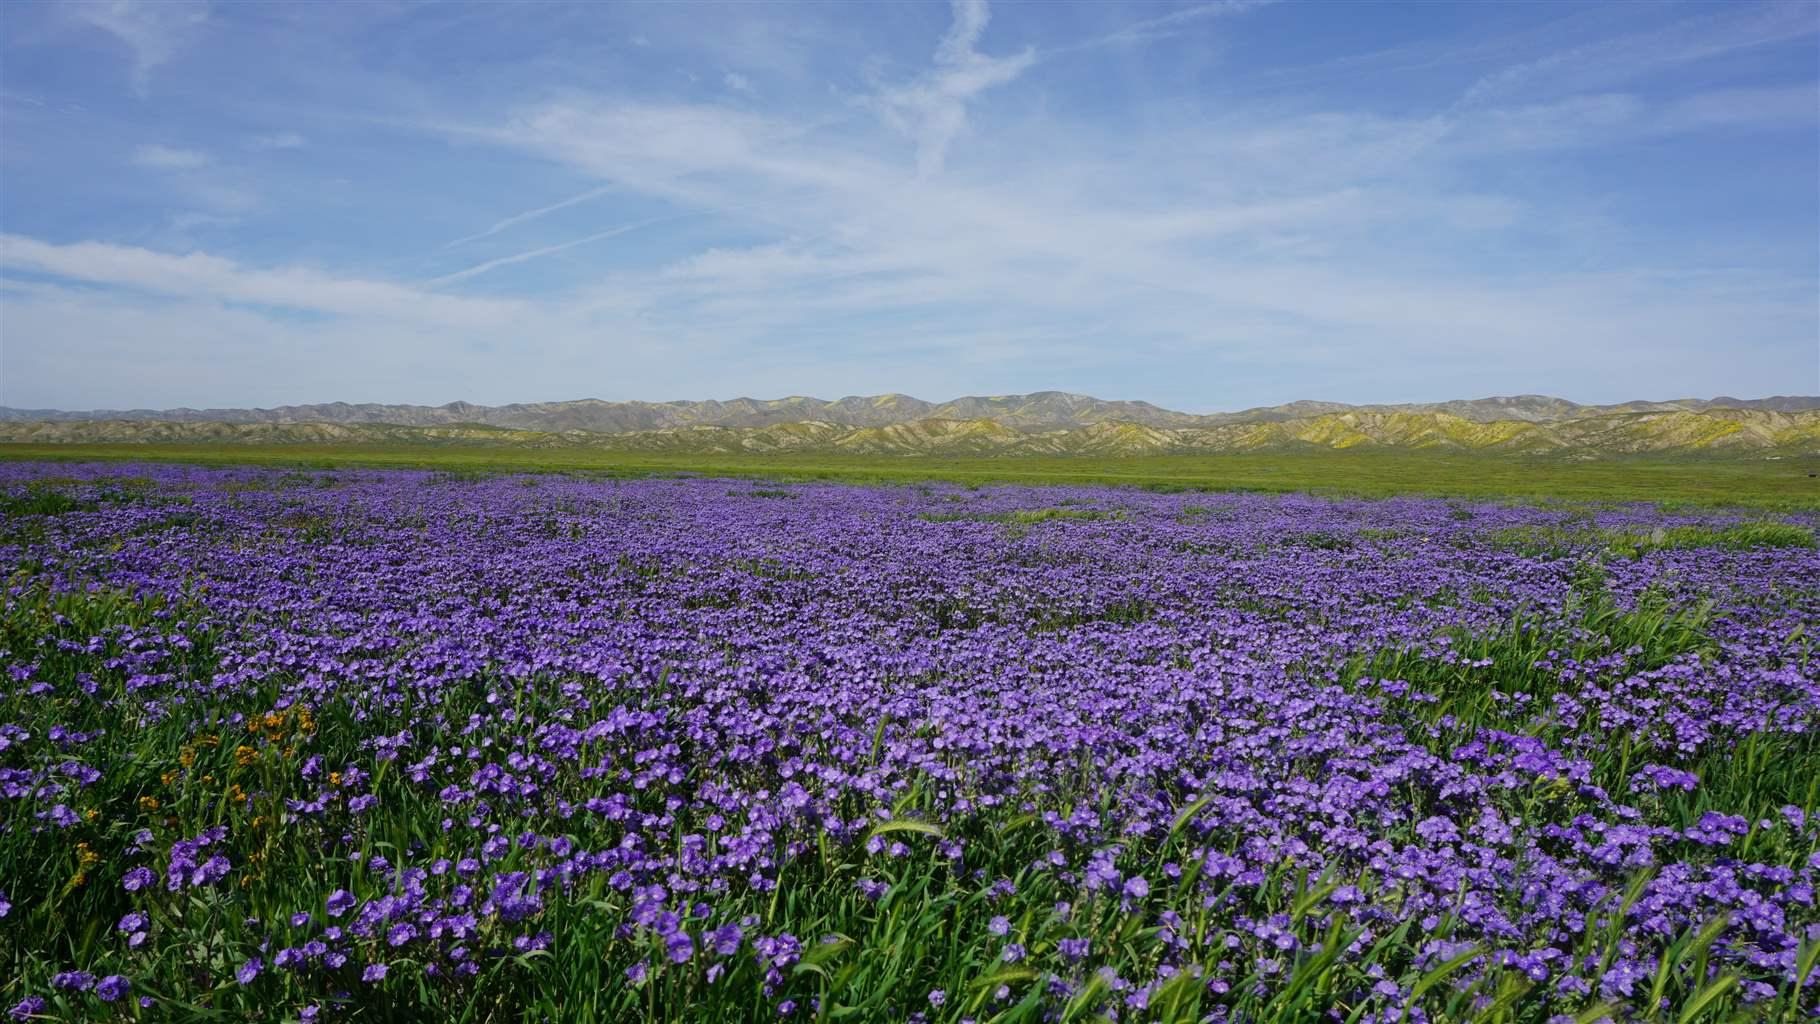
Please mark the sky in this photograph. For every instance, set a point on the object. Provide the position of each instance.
(1209, 206)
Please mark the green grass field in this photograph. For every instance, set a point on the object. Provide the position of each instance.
(1777, 484)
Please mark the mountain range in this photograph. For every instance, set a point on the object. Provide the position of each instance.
(1048, 423)
(1042, 409)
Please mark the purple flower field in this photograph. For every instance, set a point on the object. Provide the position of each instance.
(374, 746)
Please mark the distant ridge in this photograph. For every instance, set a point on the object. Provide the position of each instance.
(1044, 423)
(1037, 411)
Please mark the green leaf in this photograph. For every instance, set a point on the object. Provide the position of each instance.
(1706, 996)
(1439, 974)
(1187, 813)
(906, 825)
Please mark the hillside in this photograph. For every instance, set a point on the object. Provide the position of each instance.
(1043, 410)
(1019, 430)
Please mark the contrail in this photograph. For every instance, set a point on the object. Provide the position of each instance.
(514, 221)
(503, 261)
(481, 268)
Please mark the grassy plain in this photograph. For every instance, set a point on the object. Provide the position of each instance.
(1787, 483)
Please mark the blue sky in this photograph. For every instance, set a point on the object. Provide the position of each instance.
(1209, 206)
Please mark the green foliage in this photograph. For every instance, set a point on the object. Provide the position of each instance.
(1693, 481)
(1736, 536)
(1019, 517)
(1572, 539)
(1318, 540)
(41, 499)
(1509, 679)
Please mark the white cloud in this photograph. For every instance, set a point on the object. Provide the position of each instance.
(1246, 238)
(738, 82)
(1605, 62)
(169, 158)
(199, 276)
(75, 347)
(1164, 26)
(153, 31)
(1738, 108)
(195, 179)
(1569, 122)
(664, 149)
(277, 140)
(932, 111)
(187, 221)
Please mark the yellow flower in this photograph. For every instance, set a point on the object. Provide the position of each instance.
(245, 755)
(168, 777)
(148, 803)
(188, 757)
(334, 778)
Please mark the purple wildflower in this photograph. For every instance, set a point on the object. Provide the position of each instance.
(112, 987)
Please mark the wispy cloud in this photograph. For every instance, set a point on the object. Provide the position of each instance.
(1299, 253)
(169, 158)
(154, 32)
(277, 140)
(1163, 26)
(195, 178)
(1283, 270)
(201, 276)
(932, 110)
(737, 82)
(661, 148)
(1614, 60)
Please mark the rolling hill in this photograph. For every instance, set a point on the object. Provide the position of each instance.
(1036, 411)
(1045, 423)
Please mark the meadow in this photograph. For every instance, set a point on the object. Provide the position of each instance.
(463, 744)
(1787, 483)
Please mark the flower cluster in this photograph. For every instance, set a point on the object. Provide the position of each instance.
(607, 749)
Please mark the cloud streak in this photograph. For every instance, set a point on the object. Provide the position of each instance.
(1618, 59)
(154, 32)
(508, 223)
(199, 276)
(932, 110)
(168, 158)
(531, 254)
(278, 140)
(1163, 26)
